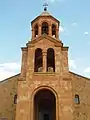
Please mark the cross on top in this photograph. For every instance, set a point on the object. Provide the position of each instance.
(45, 5)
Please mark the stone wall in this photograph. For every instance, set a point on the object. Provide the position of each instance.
(8, 88)
(57, 81)
(81, 86)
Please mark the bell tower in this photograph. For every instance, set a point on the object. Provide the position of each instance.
(45, 24)
(44, 86)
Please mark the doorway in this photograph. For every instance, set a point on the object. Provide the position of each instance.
(44, 105)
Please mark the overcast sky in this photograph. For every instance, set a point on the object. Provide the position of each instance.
(15, 31)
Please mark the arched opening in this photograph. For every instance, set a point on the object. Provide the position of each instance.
(15, 99)
(36, 30)
(45, 28)
(50, 60)
(53, 30)
(44, 105)
(38, 60)
(76, 99)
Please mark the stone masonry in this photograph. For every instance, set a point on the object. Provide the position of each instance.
(62, 83)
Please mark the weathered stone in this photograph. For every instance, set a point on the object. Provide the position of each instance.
(60, 82)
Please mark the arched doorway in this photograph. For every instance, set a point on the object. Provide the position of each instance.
(44, 105)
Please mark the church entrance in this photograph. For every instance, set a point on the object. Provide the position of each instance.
(44, 105)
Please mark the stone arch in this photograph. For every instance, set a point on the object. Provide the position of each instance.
(47, 21)
(44, 87)
(50, 60)
(40, 89)
(54, 30)
(45, 28)
(38, 60)
(36, 30)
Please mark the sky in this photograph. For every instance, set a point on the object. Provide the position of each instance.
(15, 32)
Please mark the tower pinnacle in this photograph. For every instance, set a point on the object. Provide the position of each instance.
(45, 5)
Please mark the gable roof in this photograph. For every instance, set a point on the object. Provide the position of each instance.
(54, 40)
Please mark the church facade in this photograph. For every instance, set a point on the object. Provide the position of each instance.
(45, 89)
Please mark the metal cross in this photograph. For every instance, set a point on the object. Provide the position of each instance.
(45, 5)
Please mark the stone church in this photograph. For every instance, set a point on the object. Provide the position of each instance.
(45, 89)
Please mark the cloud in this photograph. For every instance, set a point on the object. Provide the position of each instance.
(86, 33)
(52, 1)
(72, 64)
(74, 24)
(87, 70)
(61, 29)
(5, 74)
(8, 70)
(10, 66)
